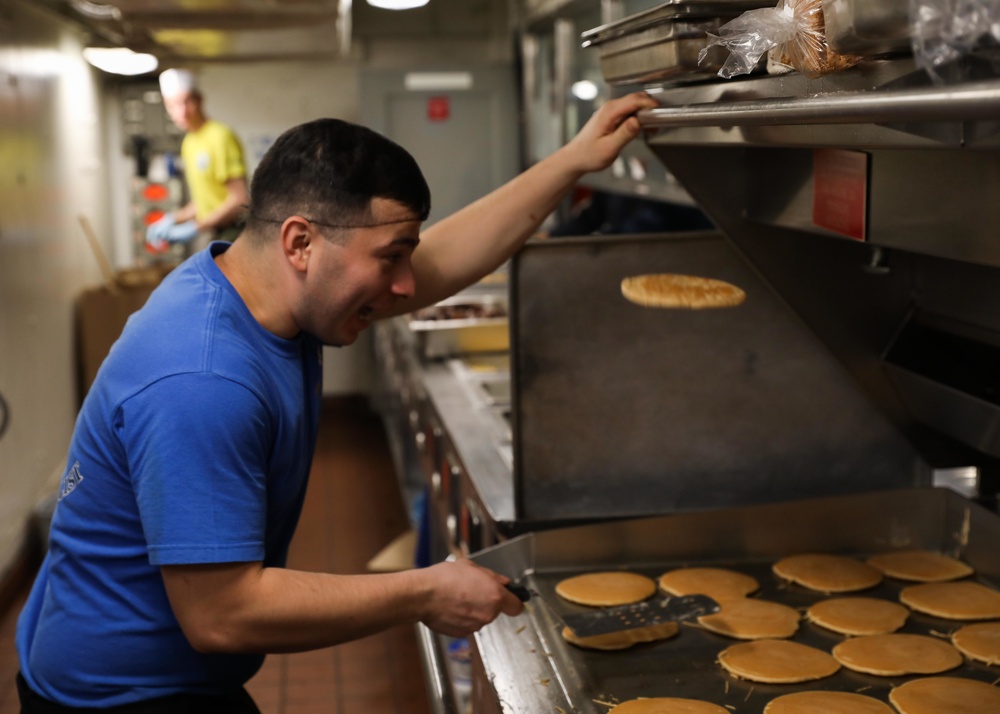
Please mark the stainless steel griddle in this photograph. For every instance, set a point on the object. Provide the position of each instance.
(531, 668)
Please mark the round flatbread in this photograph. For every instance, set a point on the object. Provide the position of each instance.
(668, 705)
(945, 695)
(827, 573)
(777, 662)
(681, 291)
(718, 583)
(979, 642)
(749, 619)
(624, 639)
(923, 566)
(897, 654)
(606, 589)
(826, 703)
(858, 615)
(964, 600)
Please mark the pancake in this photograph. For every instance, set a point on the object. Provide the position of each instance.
(923, 566)
(826, 703)
(777, 662)
(718, 583)
(606, 589)
(668, 705)
(827, 573)
(858, 615)
(749, 619)
(979, 642)
(680, 291)
(964, 600)
(945, 695)
(897, 654)
(624, 639)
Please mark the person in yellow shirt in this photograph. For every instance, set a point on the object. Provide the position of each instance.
(214, 168)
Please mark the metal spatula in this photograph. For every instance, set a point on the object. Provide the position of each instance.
(655, 611)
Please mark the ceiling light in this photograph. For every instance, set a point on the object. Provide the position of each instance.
(397, 4)
(120, 60)
(585, 90)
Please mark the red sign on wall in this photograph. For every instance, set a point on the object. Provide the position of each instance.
(438, 109)
(840, 191)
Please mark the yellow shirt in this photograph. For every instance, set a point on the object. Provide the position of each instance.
(212, 156)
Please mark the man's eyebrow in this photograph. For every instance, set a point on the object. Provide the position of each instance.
(412, 241)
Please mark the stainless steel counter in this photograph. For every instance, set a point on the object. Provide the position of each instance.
(476, 432)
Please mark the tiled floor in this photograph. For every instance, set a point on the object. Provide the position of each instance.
(352, 510)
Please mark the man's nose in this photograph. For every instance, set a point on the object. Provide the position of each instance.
(404, 283)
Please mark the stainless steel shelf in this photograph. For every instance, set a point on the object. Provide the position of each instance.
(978, 100)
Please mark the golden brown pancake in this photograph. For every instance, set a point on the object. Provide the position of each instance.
(964, 600)
(827, 573)
(680, 291)
(923, 566)
(777, 662)
(897, 654)
(979, 642)
(858, 615)
(718, 583)
(750, 619)
(826, 703)
(623, 639)
(945, 695)
(668, 705)
(606, 589)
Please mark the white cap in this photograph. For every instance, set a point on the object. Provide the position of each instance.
(177, 81)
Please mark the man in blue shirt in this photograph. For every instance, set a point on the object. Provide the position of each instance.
(165, 582)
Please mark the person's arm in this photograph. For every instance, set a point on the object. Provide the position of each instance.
(226, 213)
(245, 607)
(184, 213)
(475, 241)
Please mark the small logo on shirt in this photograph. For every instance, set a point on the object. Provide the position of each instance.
(70, 480)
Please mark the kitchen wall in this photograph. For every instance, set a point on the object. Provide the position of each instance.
(52, 170)
(260, 100)
(61, 157)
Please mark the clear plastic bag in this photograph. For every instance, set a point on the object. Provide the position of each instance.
(794, 33)
(943, 31)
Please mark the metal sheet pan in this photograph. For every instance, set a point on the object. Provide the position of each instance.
(662, 44)
(445, 337)
(532, 669)
(669, 12)
(662, 54)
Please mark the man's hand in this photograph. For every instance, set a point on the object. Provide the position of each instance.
(467, 597)
(182, 232)
(607, 132)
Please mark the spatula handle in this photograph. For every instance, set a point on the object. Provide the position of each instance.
(520, 591)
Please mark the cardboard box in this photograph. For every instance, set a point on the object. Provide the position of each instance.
(101, 313)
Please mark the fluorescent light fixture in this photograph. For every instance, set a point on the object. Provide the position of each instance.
(397, 4)
(437, 81)
(585, 90)
(120, 60)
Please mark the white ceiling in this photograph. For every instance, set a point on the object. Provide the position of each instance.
(234, 30)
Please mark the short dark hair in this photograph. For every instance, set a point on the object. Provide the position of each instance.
(330, 170)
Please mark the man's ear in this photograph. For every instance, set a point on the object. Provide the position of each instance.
(296, 242)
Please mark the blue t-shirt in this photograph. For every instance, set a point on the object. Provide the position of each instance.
(193, 446)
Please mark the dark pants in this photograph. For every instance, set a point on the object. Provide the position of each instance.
(239, 702)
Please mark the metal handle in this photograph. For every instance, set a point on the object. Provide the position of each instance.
(974, 100)
(440, 692)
